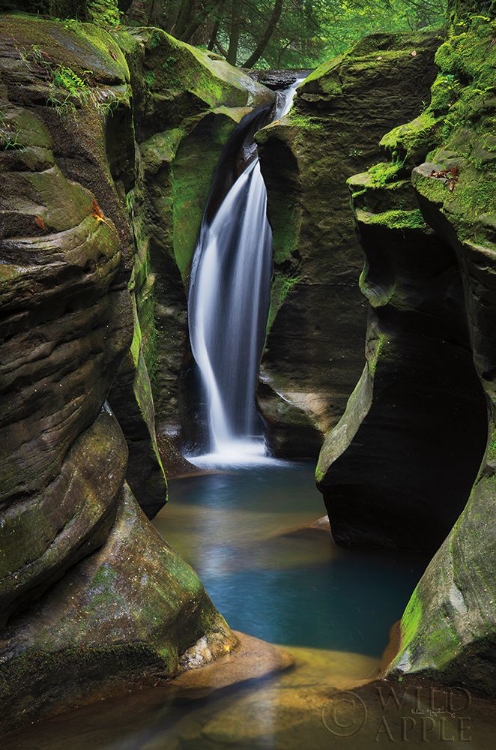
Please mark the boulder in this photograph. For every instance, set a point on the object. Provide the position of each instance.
(120, 619)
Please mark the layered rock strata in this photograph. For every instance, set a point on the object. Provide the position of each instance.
(92, 600)
(314, 352)
(411, 464)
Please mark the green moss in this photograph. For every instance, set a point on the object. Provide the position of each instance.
(381, 174)
(70, 59)
(491, 447)
(406, 140)
(103, 48)
(361, 59)
(170, 658)
(467, 62)
(445, 91)
(375, 354)
(472, 196)
(470, 54)
(396, 219)
(38, 671)
(285, 220)
(154, 40)
(149, 78)
(191, 185)
(160, 148)
(169, 62)
(281, 287)
(303, 121)
(103, 12)
(146, 315)
(136, 343)
(441, 643)
(83, 47)
(476, 197)
(179, 67)
(323, 70)
(411, 620)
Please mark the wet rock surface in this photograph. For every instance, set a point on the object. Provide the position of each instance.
(430, 244)
(314, 352)
(92, 599)
(326, 698)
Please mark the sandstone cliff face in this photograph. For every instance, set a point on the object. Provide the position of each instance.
(448, 628)
(406, 457)
(314, 352)
(87, 588)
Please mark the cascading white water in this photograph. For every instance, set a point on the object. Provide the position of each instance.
(286, 97)
(228, 306)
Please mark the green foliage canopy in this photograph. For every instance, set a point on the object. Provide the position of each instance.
(283, 33)
(262, 33)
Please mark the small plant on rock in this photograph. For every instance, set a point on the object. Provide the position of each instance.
(9, 133)
(68, 90)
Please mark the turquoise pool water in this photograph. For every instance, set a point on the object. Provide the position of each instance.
(246, 533)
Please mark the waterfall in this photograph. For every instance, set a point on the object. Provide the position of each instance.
(228, 305)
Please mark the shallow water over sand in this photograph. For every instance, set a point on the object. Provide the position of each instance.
(249, 535)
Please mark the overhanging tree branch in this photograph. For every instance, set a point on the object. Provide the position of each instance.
(260, 48)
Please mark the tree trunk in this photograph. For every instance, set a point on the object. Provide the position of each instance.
(184, 18)
(200, 18)
(260, 48)
(232, 52)
(215, 30)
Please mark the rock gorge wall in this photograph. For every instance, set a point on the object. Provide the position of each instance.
(87, 588)
(314, 352)
(94, 323)
(317, 310)
(411, 463)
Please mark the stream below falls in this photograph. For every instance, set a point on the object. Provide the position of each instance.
(275, 574)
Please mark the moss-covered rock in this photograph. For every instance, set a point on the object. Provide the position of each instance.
(419, 409)
(121, 618)
(452, 638)
(314, 353)
(431, 366)
(79, 72)
(80, 625)
(66, 322)
(132, 402)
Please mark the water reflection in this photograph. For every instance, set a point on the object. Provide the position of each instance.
(246, 533)
(250, 536)
(294, 710)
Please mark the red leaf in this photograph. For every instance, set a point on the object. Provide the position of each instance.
(97, 211)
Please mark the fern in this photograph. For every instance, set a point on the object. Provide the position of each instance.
(66, 78)
(67, 89)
